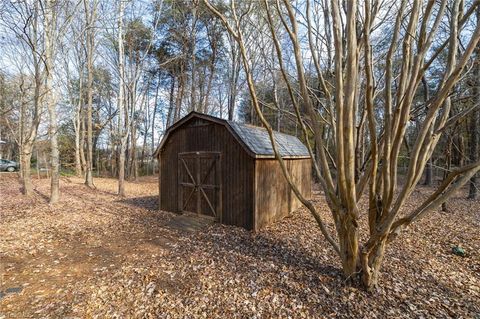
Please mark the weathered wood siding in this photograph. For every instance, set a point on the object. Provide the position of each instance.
(274, 199)
(237, 169)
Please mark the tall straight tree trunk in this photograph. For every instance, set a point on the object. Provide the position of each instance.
(78, 164)
(90, 38)
(448, 162)
(21, 131)
(128, 154)
(179, 98)
(429, 168)
(133, 168)
(475, 122)
(51, 104)
(83, 160)
(146, 122)
(193, 60)
(78, 128)
(171, 105)
(121, 169)
(205, 103)
(26, 156)
(153, 146)
(122, 113)
(112, 145)
(233, 79)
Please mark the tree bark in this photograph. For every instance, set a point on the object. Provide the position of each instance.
(475, 122)
(78, 128)
(26, 156)
(347, 230)
(51, 103)
(154, 116)
(171, 104)
(90, 39)
(122, 113)
(448, 163)
(428, 169)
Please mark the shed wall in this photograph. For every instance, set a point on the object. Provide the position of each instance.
(237, 169)
(274, 198)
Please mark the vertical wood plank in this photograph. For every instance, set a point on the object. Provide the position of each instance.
(197, 192)
(218, 179)
(179, 187)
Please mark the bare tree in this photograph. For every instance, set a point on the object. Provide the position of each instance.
(90, 8)
(56, 19)
(352, 45)
(123, 124)
(49, 27)
(23, 19)
(133, 87)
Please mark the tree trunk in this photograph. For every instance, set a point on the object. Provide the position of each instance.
(51, 104)
(121, 170)
(153, 146)
(144, 146)
(428, 169)
(21, 132)
(473, 185)
(348, 240)
(78, 163)
(371, 263)
(26, 155)
(448, 164)
(55, 156)
(171, 105)
(83, 160)
(233, 80)
(213, 45)
(179, 97)
(122, 113)
(90, 18)
(475, 121)
(193, 58)
(128, 155)
(429, 173)
(133, 152)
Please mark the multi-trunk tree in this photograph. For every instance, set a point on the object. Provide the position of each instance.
(377, 87)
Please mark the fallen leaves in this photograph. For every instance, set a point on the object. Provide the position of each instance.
(96, 255)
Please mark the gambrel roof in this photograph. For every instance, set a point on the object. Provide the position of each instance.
(254, 139)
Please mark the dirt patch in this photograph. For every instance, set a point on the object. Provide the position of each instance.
(97, 255)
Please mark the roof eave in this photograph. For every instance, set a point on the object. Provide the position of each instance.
(259, 156)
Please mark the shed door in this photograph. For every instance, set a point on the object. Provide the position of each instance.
(199, 183)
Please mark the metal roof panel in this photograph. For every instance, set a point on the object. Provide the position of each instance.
(258, 140)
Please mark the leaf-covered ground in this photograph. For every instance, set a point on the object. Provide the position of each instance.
(95, 255)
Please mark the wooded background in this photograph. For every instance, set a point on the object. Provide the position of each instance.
(176, 57)
(384, 94)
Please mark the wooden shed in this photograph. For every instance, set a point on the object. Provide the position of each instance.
(227, 171)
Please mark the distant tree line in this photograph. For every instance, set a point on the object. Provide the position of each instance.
(385, 94)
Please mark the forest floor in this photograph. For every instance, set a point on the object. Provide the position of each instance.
(96, 255)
